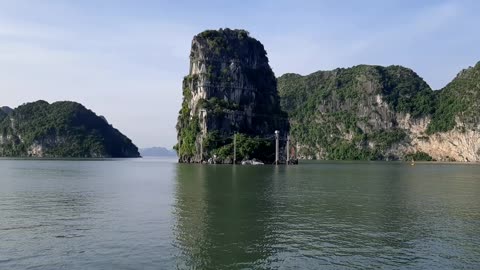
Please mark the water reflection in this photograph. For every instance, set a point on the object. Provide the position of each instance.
(328, 216)
(223, 216)
(86, 215)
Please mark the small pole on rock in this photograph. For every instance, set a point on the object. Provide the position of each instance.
(201, 148)
(234, 148)
(203, 113)
(288, 149)
(276, 146)
(296, 151)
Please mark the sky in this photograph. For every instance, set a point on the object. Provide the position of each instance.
(125, 59)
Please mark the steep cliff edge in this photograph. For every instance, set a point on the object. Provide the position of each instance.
(60, 130)
(374, 112)
(230, 89)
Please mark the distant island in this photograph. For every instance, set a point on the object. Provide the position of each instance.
(157, 152)
(365, 112)
(60, 130)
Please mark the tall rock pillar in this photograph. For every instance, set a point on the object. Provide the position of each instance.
(230, 89)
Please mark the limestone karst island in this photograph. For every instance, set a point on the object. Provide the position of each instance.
(233, 104)
(230, 94)
(60, 130)
(360, 113)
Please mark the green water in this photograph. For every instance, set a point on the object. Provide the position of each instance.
(156, 214)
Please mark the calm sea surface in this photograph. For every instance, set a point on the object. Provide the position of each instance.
(156, 214)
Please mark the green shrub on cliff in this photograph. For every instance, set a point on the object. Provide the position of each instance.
(460, 98)
(418, 156)
(188, 135)
(384, 139)
(187, 128)
(215, 104)
(220, 41)
(247, 147)
(406, 92)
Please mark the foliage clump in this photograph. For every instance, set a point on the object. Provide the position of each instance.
(248, 147)
(459, 99)
(326, 108)
(217, 105)
(406, 92)
(187, 125)
(418, 156)
(227, 42)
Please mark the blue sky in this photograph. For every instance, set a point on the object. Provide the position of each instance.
(126, 59)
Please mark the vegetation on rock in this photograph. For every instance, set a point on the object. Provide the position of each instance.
(363, 112)
(459, 99)
(332, 112)
(248, 147)
(187, 127)
(418, 156)
(353, 113)
(61, 129)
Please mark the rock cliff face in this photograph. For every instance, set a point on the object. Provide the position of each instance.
(364, 112)
(60, 130)
(373, 112)
(230, 89)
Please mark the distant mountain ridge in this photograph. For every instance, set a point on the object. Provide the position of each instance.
(60, 130)
(157, 152)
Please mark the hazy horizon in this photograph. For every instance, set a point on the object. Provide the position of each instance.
(125, 60)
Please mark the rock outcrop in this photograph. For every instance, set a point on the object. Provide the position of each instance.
(383, 113)
(60, 130)
(230, 89)
(6, 110)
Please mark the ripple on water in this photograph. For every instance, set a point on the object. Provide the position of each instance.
(314, 216)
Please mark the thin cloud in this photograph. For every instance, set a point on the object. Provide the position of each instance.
(396, 42)
(138, 66)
